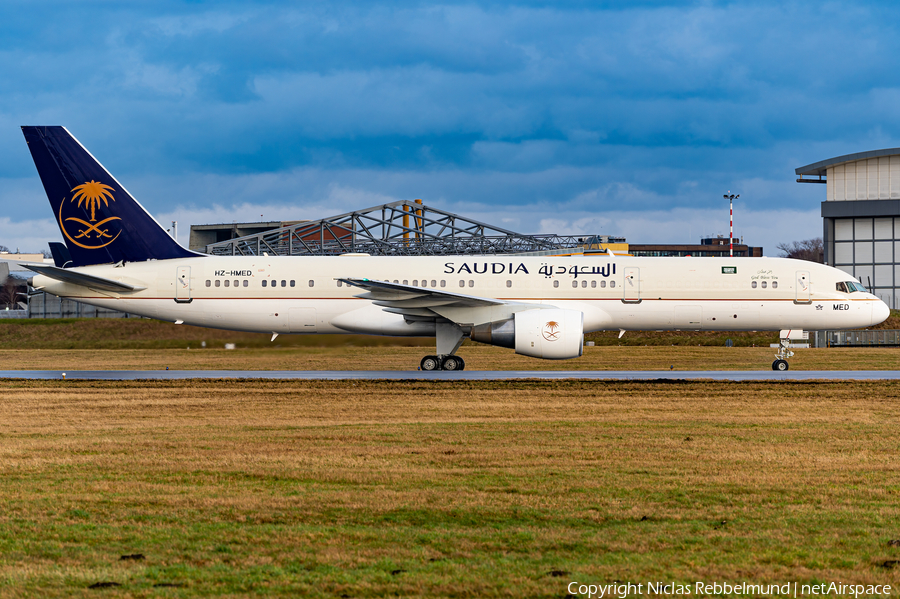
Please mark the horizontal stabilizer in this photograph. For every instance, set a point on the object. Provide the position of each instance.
(75, 277)
(61, 256)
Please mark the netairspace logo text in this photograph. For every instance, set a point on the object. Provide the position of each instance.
(701, 589)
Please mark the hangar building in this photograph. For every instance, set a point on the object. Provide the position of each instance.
(861, 214)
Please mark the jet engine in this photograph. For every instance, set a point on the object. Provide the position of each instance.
(552, 334)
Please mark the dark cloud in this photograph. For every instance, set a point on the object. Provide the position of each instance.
(579, 105)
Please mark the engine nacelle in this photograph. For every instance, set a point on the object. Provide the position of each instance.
(551, 334)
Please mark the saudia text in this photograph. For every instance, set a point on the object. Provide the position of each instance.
(548, 270)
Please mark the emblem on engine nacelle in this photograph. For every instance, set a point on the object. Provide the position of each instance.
(551, 331)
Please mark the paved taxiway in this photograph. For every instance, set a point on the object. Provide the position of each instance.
(466, 375)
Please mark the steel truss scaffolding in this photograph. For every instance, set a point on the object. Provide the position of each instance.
(402, 228)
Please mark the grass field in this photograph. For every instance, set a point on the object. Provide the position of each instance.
(373, 489)
(137, 333)
(140, 344)
(477, 357)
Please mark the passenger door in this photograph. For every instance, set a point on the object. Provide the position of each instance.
(804, 293)
(183, 285)
(632, 287)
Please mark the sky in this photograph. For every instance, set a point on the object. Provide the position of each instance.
(614, 118)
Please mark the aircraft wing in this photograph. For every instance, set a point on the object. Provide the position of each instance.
(429, 304)
(395, 295)
(67, 275)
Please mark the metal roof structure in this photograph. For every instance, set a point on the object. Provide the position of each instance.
(403, 228)
(820, 168)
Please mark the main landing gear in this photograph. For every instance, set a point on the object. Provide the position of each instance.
(784, 347)
(449, 337)
(450, 362)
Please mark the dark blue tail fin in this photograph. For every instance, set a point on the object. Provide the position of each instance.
(100, 221)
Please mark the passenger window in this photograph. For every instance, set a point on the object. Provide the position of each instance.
(312, 283)
(237, 283)
(396, 281)
(405, 281)
(443, 282)
(292, 282)
(339, 284)
(575, 284)
(556, 283)
(462, 283)
(612, 283)
(753, 285)
(774, 284)
(218, 282)
(593, 284)
(264, 283)
(434, 283)
(763, 284)
(416, 282)
(471, 283)
(208, 283)
(284, 282)
(584, 283)
(227, 282)
(603, 284)
(508, 283)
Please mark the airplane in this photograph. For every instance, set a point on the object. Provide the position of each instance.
(120, 257)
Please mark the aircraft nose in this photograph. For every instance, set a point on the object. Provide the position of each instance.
(880, 312)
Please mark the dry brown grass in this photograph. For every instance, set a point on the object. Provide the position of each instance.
(471, 489)
(135, 333)
(478, 357)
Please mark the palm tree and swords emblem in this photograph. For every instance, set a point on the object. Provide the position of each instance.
(551, 331)
(91, 195)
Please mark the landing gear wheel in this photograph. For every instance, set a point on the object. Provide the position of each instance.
(430, 363)
(453, 363)
(781, 365)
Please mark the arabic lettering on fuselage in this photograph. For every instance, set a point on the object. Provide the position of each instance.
(512, 268)
(549, 270)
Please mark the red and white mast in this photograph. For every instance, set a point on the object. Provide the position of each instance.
(731, 197)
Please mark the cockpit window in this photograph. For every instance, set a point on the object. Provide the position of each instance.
(850, 287)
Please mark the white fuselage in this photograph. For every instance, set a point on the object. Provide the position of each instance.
(302, 294)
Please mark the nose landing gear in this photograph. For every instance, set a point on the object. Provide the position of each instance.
(784, 347)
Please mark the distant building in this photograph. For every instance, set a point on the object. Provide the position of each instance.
(203, 235)
(709, 247)
(23, 257)
(861, 217)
